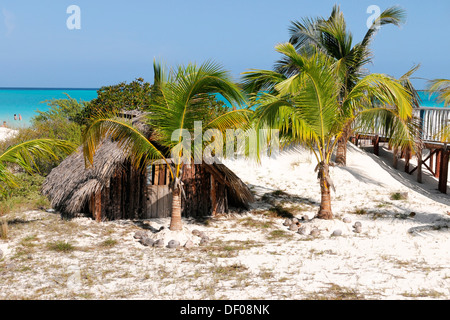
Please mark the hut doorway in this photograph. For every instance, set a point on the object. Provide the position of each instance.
(159, 196)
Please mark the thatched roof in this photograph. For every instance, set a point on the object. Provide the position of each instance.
(238, 191)
(70, 185)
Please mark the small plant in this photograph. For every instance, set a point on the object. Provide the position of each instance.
(226, 271)
(279, 211)
(399, 196)
(360, 211)
(108, 243)
(278, 234)
(249, 222)
(60, 246)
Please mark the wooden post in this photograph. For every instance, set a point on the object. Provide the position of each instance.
(431, 158)
(213, 196)
(98, 206)
(395, 158)
(407, 159)
(438, 163)
(443, 175)
(376, 145)
(419, 165)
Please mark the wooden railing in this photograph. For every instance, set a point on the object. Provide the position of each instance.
(433, 120)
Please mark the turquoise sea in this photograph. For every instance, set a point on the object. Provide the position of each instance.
(429, 100)
(25, 102)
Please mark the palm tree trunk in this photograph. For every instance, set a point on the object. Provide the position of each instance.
(325, 200)
(341, 151)
(175, 221)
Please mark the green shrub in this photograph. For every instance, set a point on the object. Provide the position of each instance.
(60, 246)
(399, 196)
(26, 196)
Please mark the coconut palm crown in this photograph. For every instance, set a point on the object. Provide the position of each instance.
(178, 104)
(332, 37)
(307, 108)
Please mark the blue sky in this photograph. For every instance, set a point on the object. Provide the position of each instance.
(119, 40)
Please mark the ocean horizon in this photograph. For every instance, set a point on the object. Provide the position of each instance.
(24, 102)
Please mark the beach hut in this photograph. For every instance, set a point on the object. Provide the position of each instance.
(113, 189)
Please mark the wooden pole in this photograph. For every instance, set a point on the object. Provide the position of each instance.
(98, 206)
(438, 163)
(395, 158)
(376, 145)
(443, 175)
(419, 165)
(407, 159)
(431, 158)
(213, 195)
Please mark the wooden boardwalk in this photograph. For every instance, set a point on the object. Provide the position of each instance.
(432, 121)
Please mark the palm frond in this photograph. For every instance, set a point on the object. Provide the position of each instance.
(382, 90)
(133, 143)
(394, 15)
(441, 87)
(386, 122)
(25, 155)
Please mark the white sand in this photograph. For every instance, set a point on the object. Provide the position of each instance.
(395, 257)
(6, 133)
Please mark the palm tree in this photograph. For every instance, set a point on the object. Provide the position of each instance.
(332, 37)
(308, 108)
(25, 155)
(442, 88)
(179, 100)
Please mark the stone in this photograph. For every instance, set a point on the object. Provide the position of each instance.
(147, 242)
(140, 234)
(10, 266)
(294, 220)
(337, 233)
(204, 241)
(357, 224)
(173, 244)
(189, 244)
(358, 229)
(347, 220)
(158, 243)
(315, 232)
(287, 222)
(1, 253)
(198, 233)
(303, 231)
(293, 227)
(412, 214)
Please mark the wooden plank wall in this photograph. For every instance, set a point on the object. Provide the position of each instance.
(159, 197)
(124, 196)
(134, 195)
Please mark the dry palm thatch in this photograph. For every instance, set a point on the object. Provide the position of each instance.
(71, 184)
